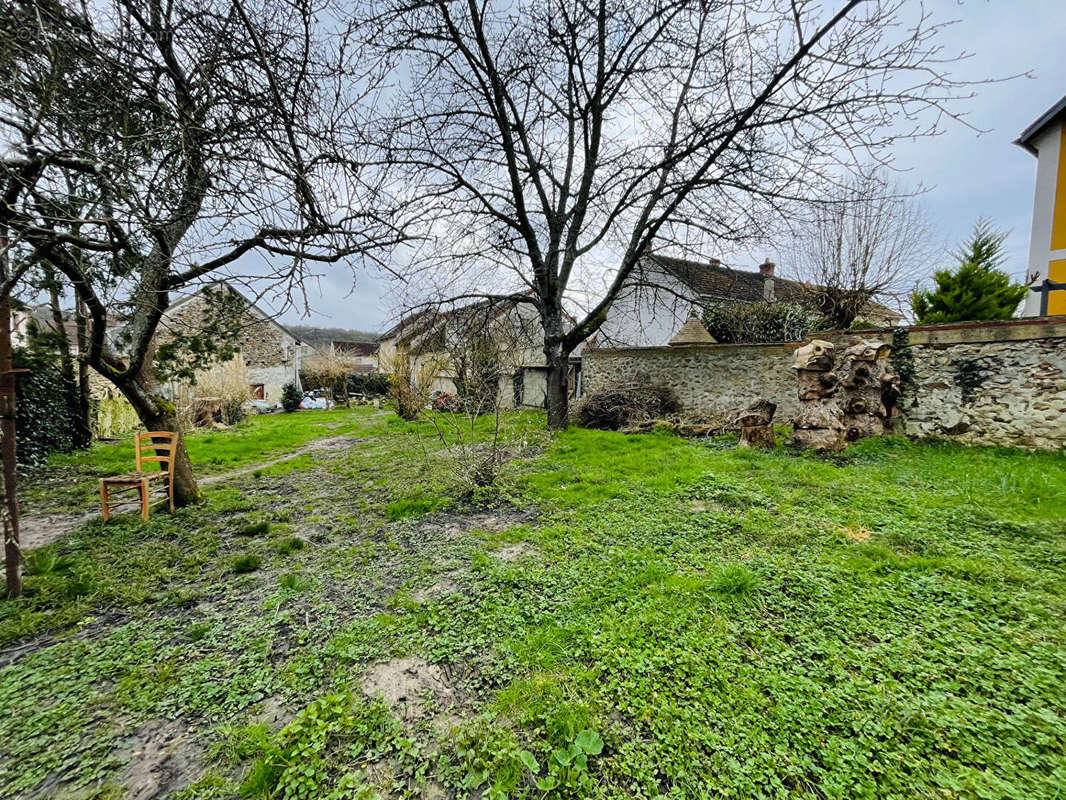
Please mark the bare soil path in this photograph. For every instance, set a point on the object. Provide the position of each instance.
(38, 530)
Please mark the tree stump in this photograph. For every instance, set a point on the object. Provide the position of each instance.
(870, 390)
(756, 425)
(820, 423)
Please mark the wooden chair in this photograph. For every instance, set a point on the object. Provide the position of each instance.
(162, 443)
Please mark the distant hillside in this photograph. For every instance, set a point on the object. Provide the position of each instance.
(314, 335)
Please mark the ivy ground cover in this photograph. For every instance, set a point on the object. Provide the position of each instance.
(620, 616)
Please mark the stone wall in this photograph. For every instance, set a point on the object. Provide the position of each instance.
(978, 383)
(262, 342)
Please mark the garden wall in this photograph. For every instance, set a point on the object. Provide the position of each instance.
(978, 383)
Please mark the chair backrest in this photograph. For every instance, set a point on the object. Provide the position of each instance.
(161, 444)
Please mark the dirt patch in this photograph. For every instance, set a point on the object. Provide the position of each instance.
(332, 443)
(273, 714)
(413, 688)
(447, 584)
(513, 552)
(162, 759)
(451, 525)
(37, 530)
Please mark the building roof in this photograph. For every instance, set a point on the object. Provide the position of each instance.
(692, 332)
(1053, 114)
(715, 281)
(428, 324)
(350, 348)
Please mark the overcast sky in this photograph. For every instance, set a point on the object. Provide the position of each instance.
(969, 175)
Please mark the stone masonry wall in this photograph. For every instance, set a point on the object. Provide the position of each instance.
(1000, 383)
(261, 342)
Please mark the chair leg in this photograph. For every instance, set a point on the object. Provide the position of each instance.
(144, 500)
(103, 500)
(170, 493)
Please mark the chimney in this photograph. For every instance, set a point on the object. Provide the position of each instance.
(766, 269)
(716, 263)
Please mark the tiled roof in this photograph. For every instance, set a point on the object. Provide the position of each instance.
(692, 332)
(719, 282)
(715, 281)
(349, 348)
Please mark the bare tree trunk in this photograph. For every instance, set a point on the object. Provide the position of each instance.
(9, 509)
(158, 415)
(558, 393)
(557, 359)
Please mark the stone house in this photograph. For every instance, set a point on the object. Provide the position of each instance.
(665, 292)
(271, 354)
(439, 338)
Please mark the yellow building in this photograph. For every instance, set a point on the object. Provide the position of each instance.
(1046, 139)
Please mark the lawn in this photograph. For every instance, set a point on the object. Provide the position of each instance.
(619, 616)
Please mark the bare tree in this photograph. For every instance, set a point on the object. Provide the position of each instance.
(868, 244)
(550, 144)
(156, 143)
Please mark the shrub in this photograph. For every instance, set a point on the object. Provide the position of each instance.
(447, 402)
(733, 323)
(409, 387)
(370, 384)
(291, 397)
(619, 406)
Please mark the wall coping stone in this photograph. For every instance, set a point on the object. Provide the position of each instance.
(1010, 330)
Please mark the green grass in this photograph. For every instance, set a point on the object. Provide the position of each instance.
(656, 618)
(254, 440)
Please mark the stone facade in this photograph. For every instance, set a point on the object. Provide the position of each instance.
(1001, 383)
(271, 354)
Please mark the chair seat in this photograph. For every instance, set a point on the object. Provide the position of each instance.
(134, 478)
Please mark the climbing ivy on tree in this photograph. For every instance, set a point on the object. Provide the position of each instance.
(43, 422)
(978, 289)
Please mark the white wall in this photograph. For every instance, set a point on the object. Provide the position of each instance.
(1040, 252)
(643, 317)
(273, 379)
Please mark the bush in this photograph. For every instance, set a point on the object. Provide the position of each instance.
(43, 423)
(619, 406)
(738, 323)
(447, 402)
(291, 397)
(370, 384)
(409, 388)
